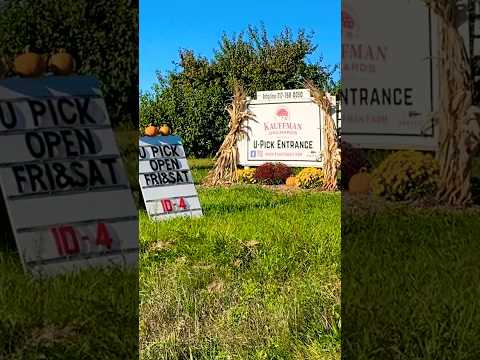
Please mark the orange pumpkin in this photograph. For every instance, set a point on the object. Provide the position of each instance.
(360, 183)
(62, 63)
(29, 64)
(292, 181)
(151, 130)
(164, 130)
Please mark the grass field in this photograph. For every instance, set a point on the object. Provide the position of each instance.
(92, 315)
(410, 284)
(258, 277)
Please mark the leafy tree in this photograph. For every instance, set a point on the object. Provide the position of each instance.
(192, 100)
(102, 35)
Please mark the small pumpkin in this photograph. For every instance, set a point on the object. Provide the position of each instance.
(30, 64)
(292, 181)
(164, 130)
(360, 183)
(62, 63)
(151, 130)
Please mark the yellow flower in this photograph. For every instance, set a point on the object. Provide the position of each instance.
(310, 178)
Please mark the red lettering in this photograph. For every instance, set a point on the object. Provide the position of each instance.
(66, 240)
(182, 204)
(103, 237)
(167, 205)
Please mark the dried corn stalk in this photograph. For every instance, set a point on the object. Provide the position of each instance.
(458, 119)
(225, 169)
(331, 153)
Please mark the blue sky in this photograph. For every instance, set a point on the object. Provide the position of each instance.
(167, 26)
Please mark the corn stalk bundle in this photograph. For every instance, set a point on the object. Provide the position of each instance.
(458, 119)
(331, 153)
(226, 159)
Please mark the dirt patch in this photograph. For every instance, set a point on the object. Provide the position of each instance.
(160, 245)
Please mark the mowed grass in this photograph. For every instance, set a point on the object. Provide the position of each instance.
(200, 168)
(410, 284)
(258, 277)
(89, 315)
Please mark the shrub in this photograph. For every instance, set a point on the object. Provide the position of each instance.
(192, 98)
(353, 160)
(246, 175)
(102, 36)
(264, 173)
(310, 178)
(272, 174)
(281, 173)
(406, 175)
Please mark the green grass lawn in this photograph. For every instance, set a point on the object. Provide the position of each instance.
(200, 168)
(92, 315)
(410, 284)
(258, 277)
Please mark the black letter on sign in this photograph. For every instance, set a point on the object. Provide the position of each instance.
(19, 179)
(153, 165)
(38, 109)
(13, 122)
(61, 109)
(35, 173)
(408, 97)
(77, 167)
(86, 141)
(53, 140)
(83, 111)
(33, 138)
(174, 151)
(143, 154)
(110, 162)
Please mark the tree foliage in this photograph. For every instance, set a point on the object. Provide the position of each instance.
(192, 100)
(102, 35)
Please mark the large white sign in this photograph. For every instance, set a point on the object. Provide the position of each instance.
(165, 179)
(389, 74)
(287, 128)
(62, 177)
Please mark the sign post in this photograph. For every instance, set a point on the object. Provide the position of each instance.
(62, 178)
(165, 179)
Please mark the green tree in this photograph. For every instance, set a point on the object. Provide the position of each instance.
(102, 35)
(192, 100)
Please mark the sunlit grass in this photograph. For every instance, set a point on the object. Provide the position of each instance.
(257, 277)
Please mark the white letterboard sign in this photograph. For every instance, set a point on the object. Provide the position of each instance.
(165, 179)
(62, 178)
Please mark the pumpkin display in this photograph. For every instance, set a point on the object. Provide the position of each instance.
(292, 181)
(360, 183)
(164, 130)
(29, 64)
(151, 130)
(61, 63)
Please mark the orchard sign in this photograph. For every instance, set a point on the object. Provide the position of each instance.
(388, 69)
(62, 177)
(165, 179)
(287, 128)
